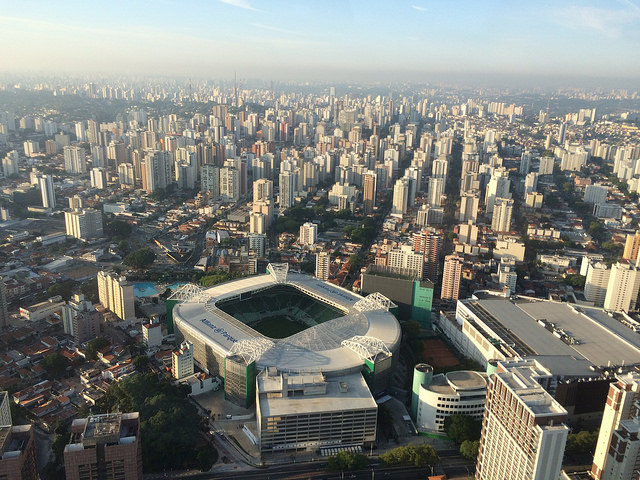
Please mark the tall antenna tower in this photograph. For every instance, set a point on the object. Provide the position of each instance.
(235, 87)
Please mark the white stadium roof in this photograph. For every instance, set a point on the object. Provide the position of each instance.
(318, 348)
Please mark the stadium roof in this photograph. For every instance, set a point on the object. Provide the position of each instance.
(318, 348)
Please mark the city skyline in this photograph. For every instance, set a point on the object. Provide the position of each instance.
(405, 41)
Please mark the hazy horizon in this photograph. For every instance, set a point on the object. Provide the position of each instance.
(544, 44)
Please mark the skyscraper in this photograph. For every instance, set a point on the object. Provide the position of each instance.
(451, 277)
(156, 170)
(262, 190)
(210, 180)
(429, 242)
(229, 184)
(619, 408)
(562, 132)
(369, 184)
(469, 204)
(45, 183)
(17, 453)
(523, 437)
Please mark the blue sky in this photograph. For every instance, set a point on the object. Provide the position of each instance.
(322, 39)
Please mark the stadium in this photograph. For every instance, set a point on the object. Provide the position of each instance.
(286, 322)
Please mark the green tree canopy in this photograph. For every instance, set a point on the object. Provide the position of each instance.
(140, 258)
(169, 424)
(94, 346)
(580, 443)
(55, 364)
(462, 427)
(417, 455)
(347, 461)
(469, 449)
(64, 289)
(118, 228)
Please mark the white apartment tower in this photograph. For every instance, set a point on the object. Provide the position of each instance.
(182, 361)
(98, 177)
(308, 233)
(75, 160)
(400, 197)
(622, 290)
(45, 183)
(502, 211)
(84, 224)
(523, 437)
(323, 262)
(116, 295)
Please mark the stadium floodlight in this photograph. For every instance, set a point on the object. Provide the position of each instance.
(374, 301)
(190, 293)
(278, 271)
(250, 350)
(366, 347)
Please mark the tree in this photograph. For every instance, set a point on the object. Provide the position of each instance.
(347, 461)
(575, 280)
(64, 289)
(141, 258)
(469, 449)
(118, 228)
(94, 346)
(169, 424)
(141, 362)
(462, 427)
(417, 455)
(55, 364)
(90, 290)
(581, 443)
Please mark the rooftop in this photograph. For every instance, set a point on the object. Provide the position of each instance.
(348, 392)
(585, 336)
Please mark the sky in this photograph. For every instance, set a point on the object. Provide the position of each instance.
(323, 40)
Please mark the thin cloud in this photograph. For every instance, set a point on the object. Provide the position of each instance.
(274, 29)
(240, 4)
(419, 8)
(605, 20)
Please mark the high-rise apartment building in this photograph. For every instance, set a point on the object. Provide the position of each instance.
(451, 277)
(84, 224)
(596, 283)
(323, 262)
(116, 295)
(156, 170)
(469, 205)
(430, 243)
(86, 326)
(287, 189)
(523, 437)
(98, 178)
(400, 197)
(182, 361)
(546, 165)
(48, 194)
(104, 447)
(4, 302)
(210, 180)
(498, 187)
(5, 409)
(262, 190)
(229, 184)
(308, 233)
(369, 184)
(126, 174)
(10, 164)
(622, 290)
(595, 194)
(75, 160)
(631, 247)
(404, 258)
(502, 211)
(621, 407)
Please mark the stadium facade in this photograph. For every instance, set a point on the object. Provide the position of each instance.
(337, 333)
